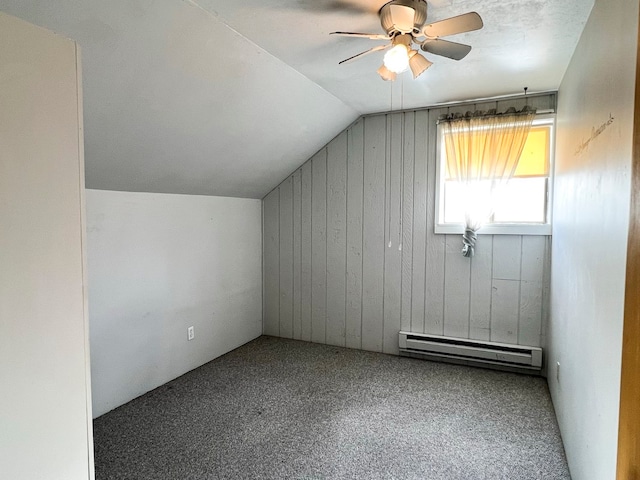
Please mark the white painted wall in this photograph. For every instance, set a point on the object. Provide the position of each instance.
(333, 269)
(45, 411)
(159, 263)
(591, 215)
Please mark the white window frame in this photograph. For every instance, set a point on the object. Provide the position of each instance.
(496, 228)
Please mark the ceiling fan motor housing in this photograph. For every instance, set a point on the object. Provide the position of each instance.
(403, 16)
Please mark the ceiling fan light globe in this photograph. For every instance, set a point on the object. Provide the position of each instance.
(397, 59)
(386, 74)
(418, 64)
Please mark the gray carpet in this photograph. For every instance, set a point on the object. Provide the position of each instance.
(278, 408)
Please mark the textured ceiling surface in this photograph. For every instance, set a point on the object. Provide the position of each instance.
(220, 97)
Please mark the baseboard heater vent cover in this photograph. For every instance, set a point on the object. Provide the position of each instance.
(473, 352)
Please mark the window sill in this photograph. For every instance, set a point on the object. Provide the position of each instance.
(498, 229)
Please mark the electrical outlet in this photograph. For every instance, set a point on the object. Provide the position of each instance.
(558, 372)
(190, 333)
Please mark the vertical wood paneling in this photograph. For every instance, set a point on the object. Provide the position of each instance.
(507, 251)
(418, 285)
(393, 235)
(434, 280)
(457, 283)
(305, 252)
(480, 295)
(530, 319)
(546, 292)
(373, 246)
(297, 252)
(533, 256)
(319, 247)
(271, 262)
(355, 179)
(407, 220)
(286, 258)
(531, 290)
(336, 239)
(504, 311)
(505, 299)
(331, 277)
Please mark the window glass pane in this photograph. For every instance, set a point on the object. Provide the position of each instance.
(453, 202)
(521, 200)
(534, 160)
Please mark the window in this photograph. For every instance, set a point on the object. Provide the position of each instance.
(521, 206)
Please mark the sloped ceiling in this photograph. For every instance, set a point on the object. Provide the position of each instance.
(220, 97)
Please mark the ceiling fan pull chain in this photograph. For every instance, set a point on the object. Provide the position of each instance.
(387, 170)
(401, 203)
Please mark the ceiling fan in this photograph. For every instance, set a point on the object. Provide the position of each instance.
(404, 22)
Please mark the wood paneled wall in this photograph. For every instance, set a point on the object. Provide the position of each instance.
(351, 257)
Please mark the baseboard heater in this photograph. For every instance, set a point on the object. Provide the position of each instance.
(500, 356)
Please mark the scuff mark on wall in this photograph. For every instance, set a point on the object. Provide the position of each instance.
(594, 134)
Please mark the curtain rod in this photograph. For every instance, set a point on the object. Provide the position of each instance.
(456, 103)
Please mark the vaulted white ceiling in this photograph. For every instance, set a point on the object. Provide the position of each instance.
(221, 97)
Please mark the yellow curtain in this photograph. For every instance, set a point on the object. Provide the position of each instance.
(486, 147)
(482, 150)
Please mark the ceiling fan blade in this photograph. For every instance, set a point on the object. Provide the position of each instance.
(366, 52)
(451, 26)
(372, 36)
(445, 48)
